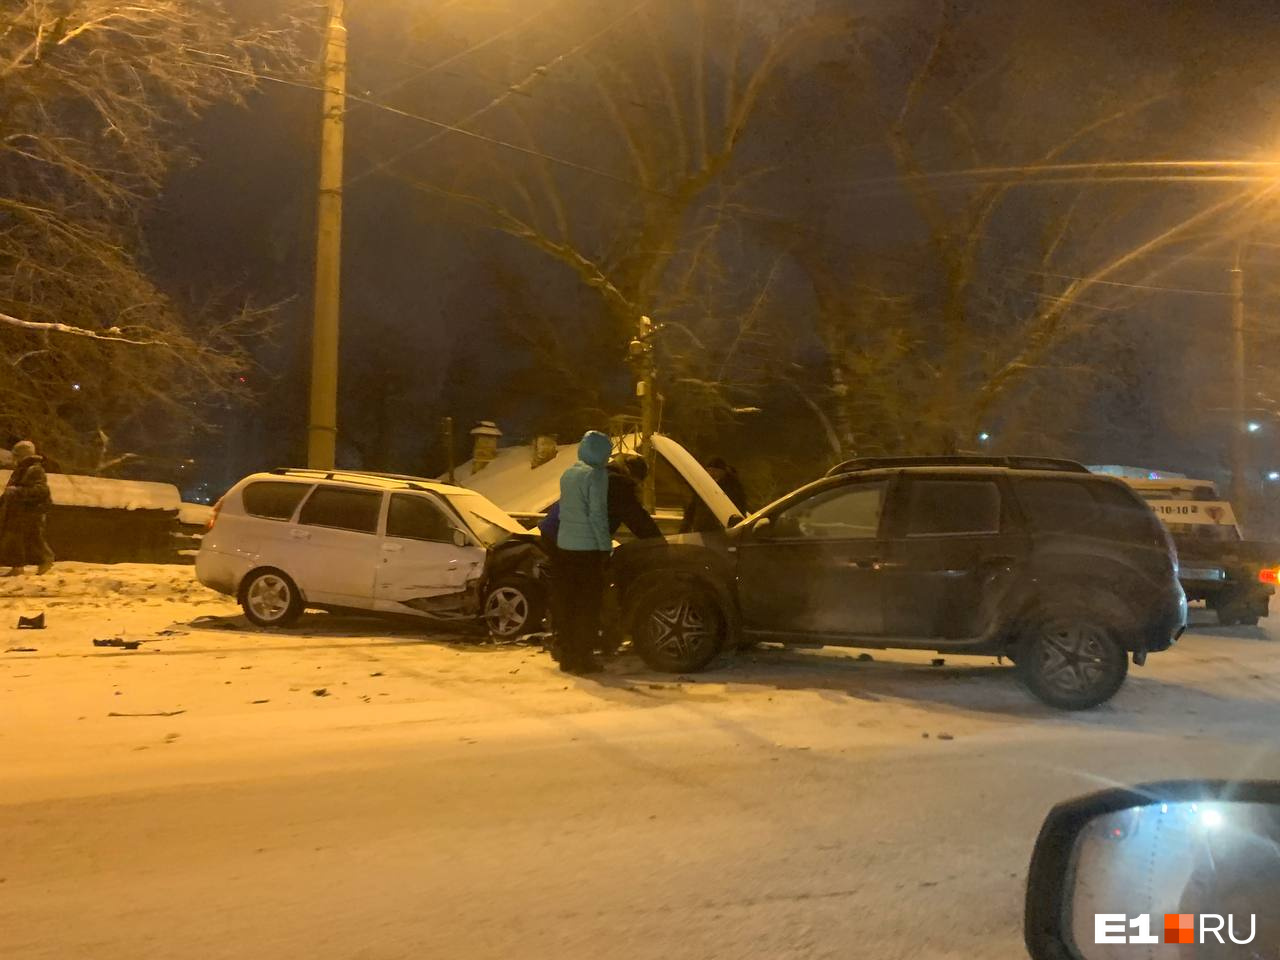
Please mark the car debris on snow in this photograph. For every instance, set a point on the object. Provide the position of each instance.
(118, 642)
(21, 650)
(158, 713)
(31, 623)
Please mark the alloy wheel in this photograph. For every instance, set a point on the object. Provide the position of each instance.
(269, 597)
(506, 611)
(678, 629)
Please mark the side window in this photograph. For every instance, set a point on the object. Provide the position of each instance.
(947, 508)
(850, 512)
(1089, 509)
(273, 499)
(1058, 506)
(1127, 515)
(416, 518)
(342, 509)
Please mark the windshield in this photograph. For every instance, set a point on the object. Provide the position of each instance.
(371, 275)
(491, 523)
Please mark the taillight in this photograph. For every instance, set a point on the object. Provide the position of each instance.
(1269, 575)
(213, 517)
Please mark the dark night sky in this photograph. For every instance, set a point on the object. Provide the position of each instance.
(423, 290)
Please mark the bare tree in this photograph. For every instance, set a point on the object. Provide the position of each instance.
(92, 95)
(1030, 243)
(630, 175)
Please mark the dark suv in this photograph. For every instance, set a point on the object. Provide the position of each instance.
(1064, 572)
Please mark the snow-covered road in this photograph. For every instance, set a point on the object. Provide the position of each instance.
(349, 789)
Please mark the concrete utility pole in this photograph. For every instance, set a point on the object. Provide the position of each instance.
(322, 432)
(1239, 449)
(646, 390)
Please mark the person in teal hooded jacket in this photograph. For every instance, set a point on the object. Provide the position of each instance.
(584, 545)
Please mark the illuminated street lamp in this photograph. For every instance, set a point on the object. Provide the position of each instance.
(1253, 426)
(984, 437)
(1274, 475)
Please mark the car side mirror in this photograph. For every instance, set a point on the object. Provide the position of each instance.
(763, 526)
(1185, 862)
(459, 538)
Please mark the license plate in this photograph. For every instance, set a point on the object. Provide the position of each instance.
(1200, 573)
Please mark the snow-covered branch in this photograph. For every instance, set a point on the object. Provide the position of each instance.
(113, 334)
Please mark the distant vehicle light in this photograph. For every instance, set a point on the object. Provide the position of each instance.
(1269, 575)
(1274, 475)
(1254, 426)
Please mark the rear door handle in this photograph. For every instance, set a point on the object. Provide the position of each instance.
(393, 547)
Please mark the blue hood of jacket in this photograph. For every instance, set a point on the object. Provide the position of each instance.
(584, 498)
(595, 448)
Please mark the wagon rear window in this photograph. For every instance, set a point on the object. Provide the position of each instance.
(272, 499)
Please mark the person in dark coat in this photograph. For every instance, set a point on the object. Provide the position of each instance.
(697, 517)
(24, 507)
(626, 473)
(729, 482)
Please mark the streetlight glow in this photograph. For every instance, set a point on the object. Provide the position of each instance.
(1254, 426)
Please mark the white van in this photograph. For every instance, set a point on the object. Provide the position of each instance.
(293, 539)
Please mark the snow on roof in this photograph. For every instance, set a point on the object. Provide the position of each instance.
(194, 514)
(513, 483)
(388, 481)
(69, 490)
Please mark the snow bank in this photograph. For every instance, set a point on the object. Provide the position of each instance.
(105, 581)
(105, 493)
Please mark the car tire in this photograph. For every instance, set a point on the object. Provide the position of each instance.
(677, 627)
(269, 598)
(1071, 659)
(513, 607)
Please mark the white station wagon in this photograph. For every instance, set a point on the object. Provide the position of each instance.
(294, 539)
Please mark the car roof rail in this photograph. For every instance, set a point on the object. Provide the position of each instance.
(859, 464)
(411, 483)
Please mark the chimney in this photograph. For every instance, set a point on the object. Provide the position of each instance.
(545, 449)
(485, 436)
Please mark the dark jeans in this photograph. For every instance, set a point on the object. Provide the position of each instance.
(578, 588)
(23, 542)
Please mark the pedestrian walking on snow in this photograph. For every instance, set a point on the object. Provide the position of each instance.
(24, 508)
